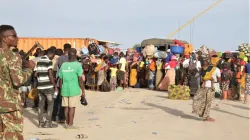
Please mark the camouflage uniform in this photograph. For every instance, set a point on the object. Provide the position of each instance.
(11, 77)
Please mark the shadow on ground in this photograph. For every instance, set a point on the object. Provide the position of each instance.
(230, 113)
(173, 112)
(164, 97)
(30, 116)
(127, 108)
(237, 106)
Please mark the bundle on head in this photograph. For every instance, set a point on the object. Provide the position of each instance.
(148, 50)
(245, 48)
(204, 51)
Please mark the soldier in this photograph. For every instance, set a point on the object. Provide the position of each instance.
(11, 77)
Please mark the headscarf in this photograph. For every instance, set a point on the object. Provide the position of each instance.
(173, 58)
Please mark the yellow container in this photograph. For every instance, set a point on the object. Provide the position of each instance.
(26, 43)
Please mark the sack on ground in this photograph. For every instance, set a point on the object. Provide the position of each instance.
(178, 92)
(105, 87)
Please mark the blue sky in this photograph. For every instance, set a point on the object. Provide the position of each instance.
(130, 21)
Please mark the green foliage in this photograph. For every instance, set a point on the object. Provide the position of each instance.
(136, 45)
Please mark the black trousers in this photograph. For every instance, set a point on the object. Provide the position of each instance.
(58, 110)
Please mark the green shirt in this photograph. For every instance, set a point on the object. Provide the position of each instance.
(69, 73)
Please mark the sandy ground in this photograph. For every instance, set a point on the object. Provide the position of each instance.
(139, 114)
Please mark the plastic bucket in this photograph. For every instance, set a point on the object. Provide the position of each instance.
(177, 49)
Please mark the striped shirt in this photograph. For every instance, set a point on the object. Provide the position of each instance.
(42, 68)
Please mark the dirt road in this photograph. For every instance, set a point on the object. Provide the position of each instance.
(139, 114)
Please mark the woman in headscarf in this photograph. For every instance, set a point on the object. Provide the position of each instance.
(204, 96)
(101, 70)
(133, 72)
(159, 73)
(169, 78)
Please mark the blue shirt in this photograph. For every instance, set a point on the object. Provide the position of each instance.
(248, 68)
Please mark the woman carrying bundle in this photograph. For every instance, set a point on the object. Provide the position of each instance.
(204, 96)
(169, 78)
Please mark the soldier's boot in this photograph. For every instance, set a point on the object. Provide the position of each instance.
(40, 124)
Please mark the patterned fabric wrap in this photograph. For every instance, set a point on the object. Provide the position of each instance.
(202, 102)
(178, 92)
(247, 90)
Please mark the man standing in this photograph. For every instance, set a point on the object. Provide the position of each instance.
(46, 87)
(39, 53)
(122, 71)
(58, 110)
(72, 86)
(11, 76)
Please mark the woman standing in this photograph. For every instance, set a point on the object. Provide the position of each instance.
(204, 96)
(169, 78)
(159, 73)
(133, 73)
(247, 81)
(101, 70)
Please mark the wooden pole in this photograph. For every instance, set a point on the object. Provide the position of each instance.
(183, 26)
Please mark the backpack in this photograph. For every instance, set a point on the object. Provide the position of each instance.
(225, 75)
(93, 49)
(192, 68)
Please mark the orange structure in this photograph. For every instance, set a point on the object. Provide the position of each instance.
(26, 43)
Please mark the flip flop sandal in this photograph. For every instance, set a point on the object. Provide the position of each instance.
(81, 136)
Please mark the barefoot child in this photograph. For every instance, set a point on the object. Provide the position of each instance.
(113, 80)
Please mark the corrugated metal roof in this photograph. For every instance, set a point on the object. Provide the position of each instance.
(160, 42)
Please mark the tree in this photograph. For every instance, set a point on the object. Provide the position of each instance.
(136, 45)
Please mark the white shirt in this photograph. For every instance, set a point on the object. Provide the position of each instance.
(214, 75)
(186, 63)
(123, 64)
(198, 65)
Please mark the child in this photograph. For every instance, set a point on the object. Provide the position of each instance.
(113, 79)
(238, 78)
(120, 78)
(226, 76)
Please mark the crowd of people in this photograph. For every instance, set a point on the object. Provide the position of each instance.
(60, 77)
